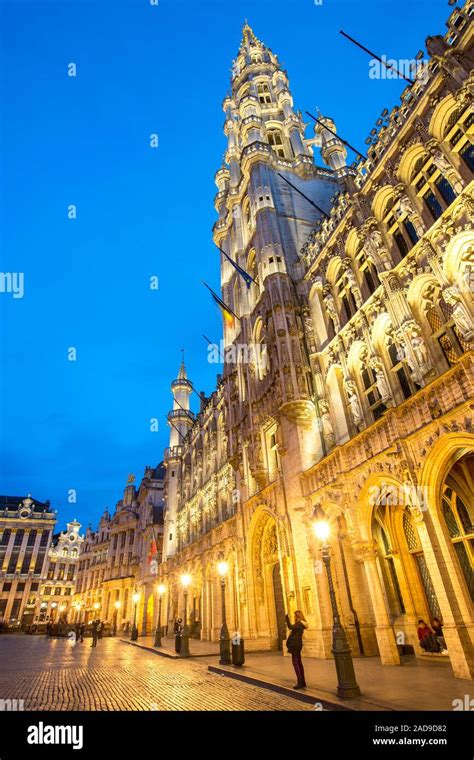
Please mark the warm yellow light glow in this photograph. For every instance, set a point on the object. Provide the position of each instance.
(136, 598)
(62, 608)
(321, 529)
(118, 605)
(161, 589)
(222, 568)
(186, 580)
(96, 605)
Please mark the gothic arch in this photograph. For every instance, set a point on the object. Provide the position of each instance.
(379, 331)
(449, 448)
(409, 159)
(333, 269)
(337, 406)
(265, 561)
(459, 254)
(352, 243)
(354, 357)
(380, 201)
(440, 117)
(416, 293)
(318, 313)
(376, 484)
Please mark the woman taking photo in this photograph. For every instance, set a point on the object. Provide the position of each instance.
(294, 644)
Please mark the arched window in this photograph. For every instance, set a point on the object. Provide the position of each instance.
(345, 298)
(386, 563)
(459, 521)
(396, 355)
(64, 553)
(439, 317)
(263, 92)
(73, 553)
(257, 58)
(260, 358)
(399, 226)
(432, 186)
(456, 134)
(275, 140)
(370, 391)
(414, 548)
(368, 272)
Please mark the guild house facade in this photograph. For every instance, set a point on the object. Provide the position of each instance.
(37, 566)
(357, 403)
(119, 560)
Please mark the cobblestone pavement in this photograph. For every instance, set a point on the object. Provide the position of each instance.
(51, 674)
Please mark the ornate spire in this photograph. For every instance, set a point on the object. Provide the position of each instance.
(249, 39)
(182, 370)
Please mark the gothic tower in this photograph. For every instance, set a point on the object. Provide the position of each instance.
(180, 419)
(263, 222)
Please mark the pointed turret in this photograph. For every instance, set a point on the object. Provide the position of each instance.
(180, 419)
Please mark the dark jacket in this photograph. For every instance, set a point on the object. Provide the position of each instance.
(294, 642)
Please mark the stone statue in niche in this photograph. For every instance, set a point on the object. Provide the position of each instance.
(383, 386)
(460, 313)
(331, 310)
(354, 403)
(326, 424)
(354, 286)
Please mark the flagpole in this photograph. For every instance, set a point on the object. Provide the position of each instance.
(213, 344)
(361, 155)
(384, 63)
(304, 196)
(236, 266)
(220, 301)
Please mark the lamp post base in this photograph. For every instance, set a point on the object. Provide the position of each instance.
(157, 638)
(134, 635)
(185, 645)
(224, 646)
(347, 686)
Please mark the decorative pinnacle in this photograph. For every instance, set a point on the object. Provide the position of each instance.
(182, 370)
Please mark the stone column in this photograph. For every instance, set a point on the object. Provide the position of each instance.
(455, 609)
(365, 552)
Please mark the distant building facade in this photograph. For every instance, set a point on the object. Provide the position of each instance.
(26, 529)
(58, 587)
(120, 558)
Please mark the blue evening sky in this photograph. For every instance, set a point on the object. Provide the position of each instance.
(141, 69)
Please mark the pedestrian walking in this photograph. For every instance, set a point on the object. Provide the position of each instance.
(100, 629)
(294, 644)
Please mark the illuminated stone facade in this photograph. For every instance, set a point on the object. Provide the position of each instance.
(120, 558)
(357, 401)
(26, 529)
(57, 589)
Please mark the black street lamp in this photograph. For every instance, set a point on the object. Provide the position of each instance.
(185, 580)
(161, 590)
(224, 642)
(347, 686)
(117, 607)
(134, 634)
